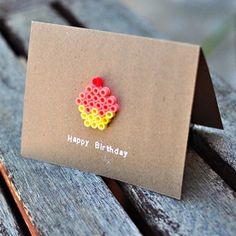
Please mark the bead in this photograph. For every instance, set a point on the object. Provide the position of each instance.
(102, 126)
(81, 108)
(90, 117)
(94, 111)
(82, 95)
(94, 125)
(96, 90)
(105, 107)
(78, 101)
(98, 106)
(88, 96)
(105, 91)
(111, 100)
(85, 102)
(97, 81)
(98, 119)
(95, 98)
(101, 113)
(84, 115)
(91, 104)
(89, 89)
(86, 123)
(109, 114)
(87, 109)
(102, 100)
(105, 120)
(114, 108)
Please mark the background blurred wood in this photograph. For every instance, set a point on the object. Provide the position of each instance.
(208, 23)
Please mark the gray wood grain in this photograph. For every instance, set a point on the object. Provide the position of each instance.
(58, 201)
(208, 205)
(102, 14)
(9, 6)
(8, 224)
(220, 144)
(110, 15)
(20, 21)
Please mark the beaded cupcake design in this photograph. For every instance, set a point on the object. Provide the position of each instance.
(96, 104)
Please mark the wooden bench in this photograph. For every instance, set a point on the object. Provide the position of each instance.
(45, 199)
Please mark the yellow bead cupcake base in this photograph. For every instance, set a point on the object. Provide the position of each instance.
(93, 119)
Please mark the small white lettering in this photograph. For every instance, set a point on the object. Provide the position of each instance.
(97, 145)
(76, 140)
(108, 148)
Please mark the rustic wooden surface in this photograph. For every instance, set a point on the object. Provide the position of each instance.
(8, 225)
(21, 21)
(208, 206)
(110, 15)
(56, 199)
(218, 147)
(8, 6)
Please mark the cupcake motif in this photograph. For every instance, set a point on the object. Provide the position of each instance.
(96, 104)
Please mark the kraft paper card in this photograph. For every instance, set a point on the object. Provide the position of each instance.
(160, 86)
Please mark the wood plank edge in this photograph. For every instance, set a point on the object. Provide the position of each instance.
(118, 192)
(212, 158)
(62, 11)
(9, 7)
(16, 198)
(12, 39)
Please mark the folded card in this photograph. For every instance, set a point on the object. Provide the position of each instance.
(116, 105)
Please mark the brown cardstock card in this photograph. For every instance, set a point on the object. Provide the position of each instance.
(161, 86)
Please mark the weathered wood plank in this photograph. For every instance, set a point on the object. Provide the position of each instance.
(218, 147)
(97, 14)
(208, 205)
(112, 16)
(57, 200)
(20, 22)
(9, 6)
(8, 224)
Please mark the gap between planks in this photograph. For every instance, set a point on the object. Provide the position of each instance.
(19, 204)
(124, 201)
(66, 14)
(213, 159)
(14, 42)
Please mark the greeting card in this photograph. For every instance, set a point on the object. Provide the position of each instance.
(116, 105)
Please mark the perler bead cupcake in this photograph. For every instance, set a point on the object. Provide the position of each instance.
(97, 105)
